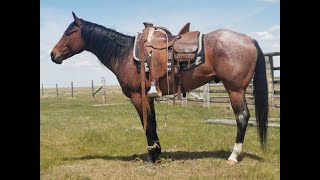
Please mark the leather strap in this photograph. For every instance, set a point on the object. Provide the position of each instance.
(154, 63)
(179, 87)
(173, 79)
(143, 84)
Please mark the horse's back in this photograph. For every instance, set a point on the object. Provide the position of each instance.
(230, 41)
(232, 55)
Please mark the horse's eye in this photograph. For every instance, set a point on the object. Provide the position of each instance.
(70, 32)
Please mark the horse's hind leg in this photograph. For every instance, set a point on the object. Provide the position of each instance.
(154, 147)
(240, 109)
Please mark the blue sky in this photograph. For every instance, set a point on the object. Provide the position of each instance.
(257, 18)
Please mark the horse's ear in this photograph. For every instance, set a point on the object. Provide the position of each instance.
(76, 19)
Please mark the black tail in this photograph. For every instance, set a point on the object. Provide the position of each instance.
(260, 87)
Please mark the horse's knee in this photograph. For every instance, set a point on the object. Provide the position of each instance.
(243, 117)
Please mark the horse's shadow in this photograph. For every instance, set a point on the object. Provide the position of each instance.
(178, 155)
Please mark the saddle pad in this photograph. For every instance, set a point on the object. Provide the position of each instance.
(136, 48)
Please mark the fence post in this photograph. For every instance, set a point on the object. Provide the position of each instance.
(170, 101)
(184, 101)
(201, 88)
(92, 89)
(104, 99)
(41, 89)
(269, 71)
(57, 91)
(72, 89)
(206, 95)
(103, 82)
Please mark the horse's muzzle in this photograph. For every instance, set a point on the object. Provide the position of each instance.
(55, 59)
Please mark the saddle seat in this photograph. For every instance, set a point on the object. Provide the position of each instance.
(159, 38)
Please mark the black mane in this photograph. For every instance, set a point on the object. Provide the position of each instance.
(107, 44)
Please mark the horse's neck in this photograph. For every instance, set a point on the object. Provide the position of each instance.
(112, 52)
(118, 66)
(114, 64)
(105, 43)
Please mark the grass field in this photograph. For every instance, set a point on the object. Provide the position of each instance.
(82, 141)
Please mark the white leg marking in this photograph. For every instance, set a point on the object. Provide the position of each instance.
(236, 152)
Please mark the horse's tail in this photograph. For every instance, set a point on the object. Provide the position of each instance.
(260, 91)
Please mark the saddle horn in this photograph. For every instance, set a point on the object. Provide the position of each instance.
(146, 24)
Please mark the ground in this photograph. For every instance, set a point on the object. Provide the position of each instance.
(81, 141)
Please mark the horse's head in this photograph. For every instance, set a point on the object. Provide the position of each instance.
(71, 42)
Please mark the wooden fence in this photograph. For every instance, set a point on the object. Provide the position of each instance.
(215, 93)
(70, 90)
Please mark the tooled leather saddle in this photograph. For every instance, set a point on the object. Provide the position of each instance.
(166, 52)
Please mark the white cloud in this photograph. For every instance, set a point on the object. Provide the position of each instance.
(276, 46)
(262, 36)
(275, 28)
(271, 34)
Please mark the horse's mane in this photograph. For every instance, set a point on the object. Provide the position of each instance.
(107, 44)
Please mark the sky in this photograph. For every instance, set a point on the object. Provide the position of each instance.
(257, 18)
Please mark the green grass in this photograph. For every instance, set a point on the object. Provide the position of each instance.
(82, 141)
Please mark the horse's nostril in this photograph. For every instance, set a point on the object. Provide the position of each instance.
(51, 54)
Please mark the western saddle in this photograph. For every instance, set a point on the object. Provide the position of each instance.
(164, 52)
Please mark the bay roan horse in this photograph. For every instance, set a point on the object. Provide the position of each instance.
(231, 57)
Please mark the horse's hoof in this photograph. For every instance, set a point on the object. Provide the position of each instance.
(231, 163)
(151, 159)
(154, 152)
(153, 95)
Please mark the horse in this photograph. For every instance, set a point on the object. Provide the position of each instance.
(230, 57)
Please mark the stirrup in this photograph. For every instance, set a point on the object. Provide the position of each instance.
(153, 92)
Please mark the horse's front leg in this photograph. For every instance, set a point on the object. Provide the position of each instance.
(153, 147)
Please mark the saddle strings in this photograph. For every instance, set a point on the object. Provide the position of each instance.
(167, 49)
